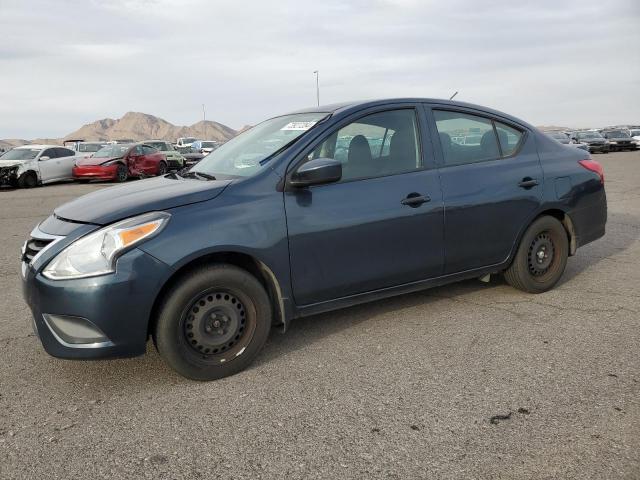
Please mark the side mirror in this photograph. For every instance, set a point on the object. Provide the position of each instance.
(44, 158)
(317, 172)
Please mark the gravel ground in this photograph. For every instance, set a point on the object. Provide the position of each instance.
(400, 388)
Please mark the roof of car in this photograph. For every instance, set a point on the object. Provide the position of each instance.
(39, 146)
(347, 107)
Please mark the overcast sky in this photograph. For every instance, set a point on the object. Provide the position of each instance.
(67, 63)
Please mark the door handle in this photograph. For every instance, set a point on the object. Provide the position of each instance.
(415, 200)
(528, 182)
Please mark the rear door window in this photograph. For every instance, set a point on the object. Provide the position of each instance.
(465, 138)
(509, 138)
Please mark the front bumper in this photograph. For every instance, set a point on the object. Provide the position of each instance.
(175, 163)
(8, 176)
(95, 172)
(598, 147)
(118, 304)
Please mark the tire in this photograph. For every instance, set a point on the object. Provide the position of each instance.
(121, 173)
(213, 322)
(162, 168)
(541, 257)
(28, 180)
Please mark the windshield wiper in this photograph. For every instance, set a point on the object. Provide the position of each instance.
(194, 174)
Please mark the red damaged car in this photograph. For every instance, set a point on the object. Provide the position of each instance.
(120, 161)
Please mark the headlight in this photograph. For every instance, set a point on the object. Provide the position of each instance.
(613, 143)
(111, 162)
(96, 253)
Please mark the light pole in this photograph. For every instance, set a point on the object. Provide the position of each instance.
(317, 86)
(204, 119)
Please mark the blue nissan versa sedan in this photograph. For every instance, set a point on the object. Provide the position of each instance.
(304, 213)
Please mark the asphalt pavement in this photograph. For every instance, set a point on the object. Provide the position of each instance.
(471, 380)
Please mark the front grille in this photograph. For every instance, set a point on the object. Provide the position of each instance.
(33, 247)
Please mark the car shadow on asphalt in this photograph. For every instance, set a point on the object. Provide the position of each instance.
(613, 242)
(303, 332)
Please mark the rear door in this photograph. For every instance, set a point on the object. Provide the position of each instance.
(491, 182)
(65, 162)
(381, 224)
(152, 159)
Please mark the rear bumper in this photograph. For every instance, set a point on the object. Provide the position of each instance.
(590, 220)
(119, 305)
(96, 172)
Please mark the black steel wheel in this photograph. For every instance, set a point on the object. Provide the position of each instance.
(162, 168)
(213, 322)
(122, 173)
(541, 256)
(216, 325)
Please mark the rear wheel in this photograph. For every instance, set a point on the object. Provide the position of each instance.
(28, 180)
(541, 257)
(213, 322)
(121, 173)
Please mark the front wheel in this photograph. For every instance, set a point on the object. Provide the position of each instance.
(121, 173)
(541, 257)
(213, 322)
(28, 180)
(162, 168)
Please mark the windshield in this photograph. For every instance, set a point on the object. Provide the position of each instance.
(243, 155)
(112, 151)
(21, 154)
(557, 136)
(158, 145)
(89, 147)
(616, 134)
(589, 135)
(188, 140)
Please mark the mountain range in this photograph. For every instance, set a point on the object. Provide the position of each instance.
(137, 126)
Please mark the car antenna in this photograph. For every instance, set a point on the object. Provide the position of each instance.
(451, 97)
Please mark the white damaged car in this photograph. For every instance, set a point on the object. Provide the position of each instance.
(31, 165)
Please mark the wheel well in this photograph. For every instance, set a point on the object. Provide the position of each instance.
(241, 260)
(565, 219)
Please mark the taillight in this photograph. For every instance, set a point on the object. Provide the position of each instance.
(593, 166)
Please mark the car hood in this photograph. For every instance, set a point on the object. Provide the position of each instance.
(115, 203)
(11, 163)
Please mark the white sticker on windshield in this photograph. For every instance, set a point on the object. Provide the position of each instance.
(298, 126)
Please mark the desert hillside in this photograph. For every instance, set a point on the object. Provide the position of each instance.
(141, 126)
(136, 126)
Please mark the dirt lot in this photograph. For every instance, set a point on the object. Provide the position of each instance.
(402, 388)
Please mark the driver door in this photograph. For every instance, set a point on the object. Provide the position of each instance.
(379, 226)
(135, 160)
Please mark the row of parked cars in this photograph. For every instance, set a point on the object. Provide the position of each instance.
(31, 165)
(605, 140)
